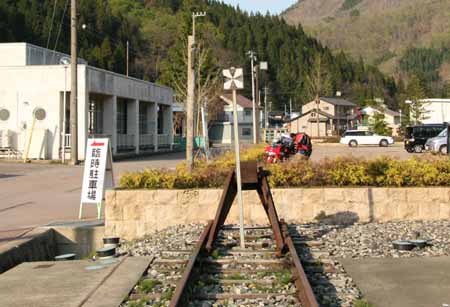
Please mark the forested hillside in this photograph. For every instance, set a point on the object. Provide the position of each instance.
(157, 31)
(386, 33)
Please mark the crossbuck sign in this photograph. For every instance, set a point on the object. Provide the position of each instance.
(234, 79)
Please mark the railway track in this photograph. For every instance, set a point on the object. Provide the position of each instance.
(217, 272)
(229, 275)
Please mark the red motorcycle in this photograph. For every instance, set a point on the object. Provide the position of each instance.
(276, 152)
(303, 145)
(281, 150)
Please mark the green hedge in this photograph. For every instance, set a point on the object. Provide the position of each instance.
(340, 172)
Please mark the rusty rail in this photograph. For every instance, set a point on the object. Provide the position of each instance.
(253, 179)
(180, 293)
(304, 290)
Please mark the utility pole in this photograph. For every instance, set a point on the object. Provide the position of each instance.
(191, 95)
(128, 57)
(256, 105)
(74, 86)
(252, 56)
(190, 106)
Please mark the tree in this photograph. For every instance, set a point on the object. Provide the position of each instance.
(379, 125)
(416, 94)
(319, 84)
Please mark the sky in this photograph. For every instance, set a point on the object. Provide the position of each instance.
(273, 6)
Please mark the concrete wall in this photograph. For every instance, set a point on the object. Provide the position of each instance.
(28, 87)
(44, 243)
(132, 214)
(21, 54)
(37, 245)
(438, 111)
(110, 83)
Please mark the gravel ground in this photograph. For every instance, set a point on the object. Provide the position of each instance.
(323, 244)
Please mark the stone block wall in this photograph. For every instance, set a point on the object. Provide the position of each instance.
(132, 214)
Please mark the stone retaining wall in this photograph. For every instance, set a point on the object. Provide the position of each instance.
(132, 214)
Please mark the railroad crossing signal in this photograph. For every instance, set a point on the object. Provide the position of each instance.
(234, 79)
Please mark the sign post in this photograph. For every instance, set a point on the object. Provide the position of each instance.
(98, 174)
(234, 80)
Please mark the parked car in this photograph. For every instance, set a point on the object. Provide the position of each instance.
(417, 136)
(438, 144)
(354, 138)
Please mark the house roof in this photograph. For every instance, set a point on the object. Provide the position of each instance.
(385, 110)
(338, 101)
(390, 112)
(241, 100)
(328, 115)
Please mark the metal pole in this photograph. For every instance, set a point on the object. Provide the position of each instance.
(266, 115)
(238, 171)
(190, 106)
(74, 87)
(317, 114)
(64, 116)
(205, 133)
(252, 55)
(290, 108)
(128, 57)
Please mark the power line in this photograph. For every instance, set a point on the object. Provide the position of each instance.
(60, 28)
(51, 25)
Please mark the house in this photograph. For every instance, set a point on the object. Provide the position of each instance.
(392, 118)
(134, 114)
(437, 110)
(329, 117)
(221, 129)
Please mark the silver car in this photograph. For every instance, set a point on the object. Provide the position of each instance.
(437, 144)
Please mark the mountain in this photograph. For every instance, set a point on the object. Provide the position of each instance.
(157, 31)
(383, 32)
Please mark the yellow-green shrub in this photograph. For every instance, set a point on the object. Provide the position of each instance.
(300, 173)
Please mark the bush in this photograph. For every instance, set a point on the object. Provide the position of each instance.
(340, 172)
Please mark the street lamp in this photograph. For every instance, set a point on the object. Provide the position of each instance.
(252, 56)
(64, 61)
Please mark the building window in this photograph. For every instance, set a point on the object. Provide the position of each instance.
(121, 117)
(246, 131)
(248, 112)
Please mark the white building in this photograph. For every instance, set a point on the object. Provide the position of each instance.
(135, 115)
(221, 130)
(438, 110)
(392, 118)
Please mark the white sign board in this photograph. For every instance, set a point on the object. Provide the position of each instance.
(234, 79)
(98, 172)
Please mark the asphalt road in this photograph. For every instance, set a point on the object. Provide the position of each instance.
(37, 194)
(331, 151)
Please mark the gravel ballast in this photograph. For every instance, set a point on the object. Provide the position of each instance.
(321, 245)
